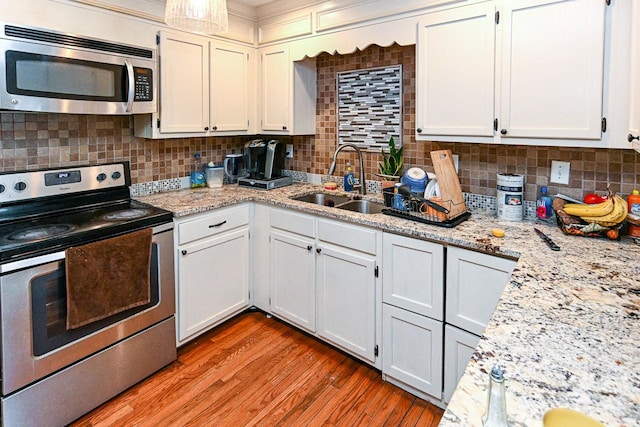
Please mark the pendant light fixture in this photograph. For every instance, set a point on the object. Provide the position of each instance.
(197, 16)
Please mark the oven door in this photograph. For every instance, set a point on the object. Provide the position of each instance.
(37, 77)
(35, 342)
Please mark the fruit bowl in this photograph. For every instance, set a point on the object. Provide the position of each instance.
(590, 230)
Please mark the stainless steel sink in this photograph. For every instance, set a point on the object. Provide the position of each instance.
(362, 206)
(341, 202)
(323, 199)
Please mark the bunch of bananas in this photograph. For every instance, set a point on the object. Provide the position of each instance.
(609, 213)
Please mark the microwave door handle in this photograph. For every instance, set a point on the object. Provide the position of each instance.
(132, 85)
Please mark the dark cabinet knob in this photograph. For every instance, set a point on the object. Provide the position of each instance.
(214, 128)
(284, 127)
(419, 130)
(503, 131)
(206, 128)
(184, 252)
(630, 137)
(318, 250)
(309, 247)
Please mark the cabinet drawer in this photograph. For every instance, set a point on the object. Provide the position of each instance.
(293, 222)
(213, 223)
(347, 235)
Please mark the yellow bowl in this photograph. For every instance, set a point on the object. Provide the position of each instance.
(562, 417)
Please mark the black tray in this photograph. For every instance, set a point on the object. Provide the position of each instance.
(415, 216)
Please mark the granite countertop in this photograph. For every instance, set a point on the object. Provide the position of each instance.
(566, 330)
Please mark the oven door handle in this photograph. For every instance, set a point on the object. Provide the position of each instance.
(31, 262)
(132, 85)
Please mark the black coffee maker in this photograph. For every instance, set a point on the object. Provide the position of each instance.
(264, 160)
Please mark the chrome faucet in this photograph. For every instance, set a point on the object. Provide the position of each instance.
(332, 168)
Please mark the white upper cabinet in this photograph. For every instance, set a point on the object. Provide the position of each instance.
(288, 93)
(634, 101)
(229, 89)
(205, 88)
(455, 72)
(533, 66)
(184, 83)
(552, 68)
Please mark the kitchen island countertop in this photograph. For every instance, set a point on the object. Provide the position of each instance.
(567, 327)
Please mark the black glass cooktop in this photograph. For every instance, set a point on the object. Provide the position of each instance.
(40, 234)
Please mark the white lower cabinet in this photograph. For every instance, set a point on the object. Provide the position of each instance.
(323, 278)
(347, 299)
(412, 350)
(293, 268)
(412, 326)
(475, 282)
(459, 346)
(212, 260)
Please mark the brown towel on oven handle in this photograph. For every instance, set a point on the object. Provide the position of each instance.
(107, 277)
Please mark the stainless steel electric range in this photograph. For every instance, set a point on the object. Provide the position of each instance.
(54, 372)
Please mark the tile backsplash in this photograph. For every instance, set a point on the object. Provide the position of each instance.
(40, 140)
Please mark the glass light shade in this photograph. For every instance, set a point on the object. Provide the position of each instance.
(197, 16)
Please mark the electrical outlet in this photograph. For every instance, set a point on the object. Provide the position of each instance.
(289, 151)
(560, 172)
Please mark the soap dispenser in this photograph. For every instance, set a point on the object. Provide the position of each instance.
(349, 178)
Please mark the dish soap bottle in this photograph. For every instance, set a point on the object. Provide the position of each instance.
(197, 175)
(349, 179)
(543, 205)
(496, 413)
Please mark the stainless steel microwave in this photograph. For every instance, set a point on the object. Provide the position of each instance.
(48, 71)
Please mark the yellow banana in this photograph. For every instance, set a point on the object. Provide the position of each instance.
(615, 217)
(584, 210)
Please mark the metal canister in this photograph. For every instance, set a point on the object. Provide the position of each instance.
(510, 202)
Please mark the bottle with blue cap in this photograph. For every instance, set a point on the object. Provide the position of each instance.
(349, 178)
(197, 174)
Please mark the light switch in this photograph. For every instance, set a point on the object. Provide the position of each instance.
(289, 151)
(560, 172)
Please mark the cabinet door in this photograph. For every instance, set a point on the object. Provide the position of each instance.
(346, 300)
(634, 108)
(459, 346)
(275, 89)
(455, 72)
(293, 279)
(475, 283)
(184, 83)
(229, 88)
(413, 275)
(213, 281)
(552, 68)
(412, 349)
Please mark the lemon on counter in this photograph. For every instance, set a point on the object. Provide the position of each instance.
(564, 417)
(498, 232)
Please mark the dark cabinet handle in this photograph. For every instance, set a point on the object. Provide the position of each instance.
(214, 128)
(206, 128)
(284, 128)
(218, 224)
(309, 247)
(419, 130)
(318, 250)
(503, 131)
(630, 137)
(184, 252)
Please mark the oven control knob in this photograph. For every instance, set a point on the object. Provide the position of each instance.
(2, 188)
(101, 177)
(20, 186)
(116, 175)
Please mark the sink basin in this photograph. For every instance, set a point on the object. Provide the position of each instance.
(322, 199)
(362, 206)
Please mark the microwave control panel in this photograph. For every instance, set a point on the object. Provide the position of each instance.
(143, 78)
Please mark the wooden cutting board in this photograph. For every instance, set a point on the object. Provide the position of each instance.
(448, 182)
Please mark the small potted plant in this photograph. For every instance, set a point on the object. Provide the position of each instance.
(391, 165)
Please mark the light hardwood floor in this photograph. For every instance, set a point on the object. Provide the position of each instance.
(253, 370)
